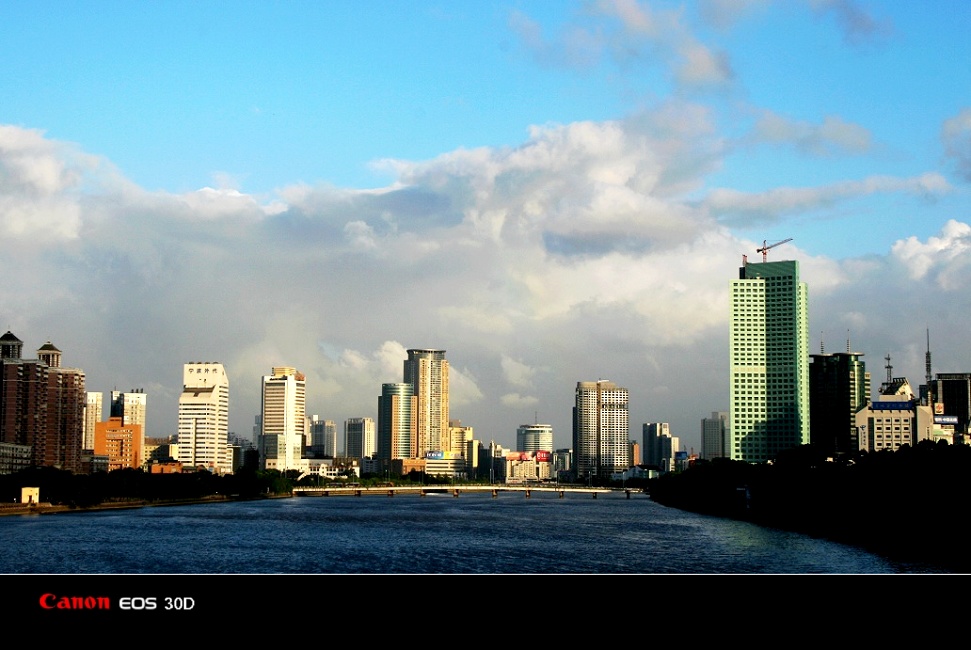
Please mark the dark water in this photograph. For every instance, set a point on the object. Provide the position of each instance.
(471, 534)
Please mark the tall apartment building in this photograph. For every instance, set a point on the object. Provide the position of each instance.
(839, 386)
(459, 438)
(714, 435)
(283, 416)
(600, 429)
(427, 372)
(769, 361)
(534, 437)
(131, 407)
(360, 438)
(659, 445)
(203, 426)
(93, 413)
(323, 438)
(41, 404)
(396, 423)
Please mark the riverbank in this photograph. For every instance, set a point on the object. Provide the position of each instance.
(44, 508)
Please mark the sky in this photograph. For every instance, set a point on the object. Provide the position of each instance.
(551, 192)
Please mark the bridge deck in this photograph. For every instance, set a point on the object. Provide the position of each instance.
(454, 490)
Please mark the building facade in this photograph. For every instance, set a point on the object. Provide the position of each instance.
(121, 442)
(839, 386)
(360, 438)
(769, 361)
(396, 423)
(41, 405)
(660, 447)
(283, 416)
(534, 437)
(131, 408)
(427, 372)
(600, 429)
(203, 426)
(714, 435)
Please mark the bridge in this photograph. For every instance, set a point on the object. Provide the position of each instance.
(454, 490)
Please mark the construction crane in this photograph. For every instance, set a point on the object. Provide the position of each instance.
(765, 248)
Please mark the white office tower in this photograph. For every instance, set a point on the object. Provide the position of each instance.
(130, 407)
(534, 437)
(323, 438)
(93, 413)
(360, 438)
(600, 429)
(427, 372)
(284, 415)
(204, 418)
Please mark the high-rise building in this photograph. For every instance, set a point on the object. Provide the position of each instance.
(427, 372)
(459, 438)
(769, 361)
(534, 437)
(204, 418)
(951, 395)
(660, 446)
(323, 438)
(93, 413)
(130, 407)
(839, 386)
(714, 435)
(41, 404)
(360, 438)
(600, 429)
(396, 423)
(121, 442)
(283, 416)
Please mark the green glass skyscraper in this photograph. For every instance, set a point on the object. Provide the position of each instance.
(769, 388)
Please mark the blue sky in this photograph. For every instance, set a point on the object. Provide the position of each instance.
(553, 192)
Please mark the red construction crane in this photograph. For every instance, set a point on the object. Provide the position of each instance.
(765, 248)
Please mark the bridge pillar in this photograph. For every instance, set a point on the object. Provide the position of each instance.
(594, 495)
(527, 494)
(628, 493)
(390, 493)
(495, 493)
(455, 493)
(357, 493)
(561, 494)
(421, 492)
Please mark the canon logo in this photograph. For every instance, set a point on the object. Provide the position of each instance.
(52, 601)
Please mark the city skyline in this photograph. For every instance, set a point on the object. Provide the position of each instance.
(552, 192)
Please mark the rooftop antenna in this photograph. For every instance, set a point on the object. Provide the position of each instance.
(847, 341)
(822, 349)
(889, 369)
(927, 359)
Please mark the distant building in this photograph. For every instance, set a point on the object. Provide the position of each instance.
(396, 423)
(534, 437)
(323, 437)
(204, 418)
(769, 361)
(282, 415)
(427, 372)
(952, 397)
(839, 386)
(41, 405)
(120, 442)
(360, 438)
(93, 413)
(660, 447)
(131, 408)
(896, 418)
(600, 429)
(459, 437)
(714, 435)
